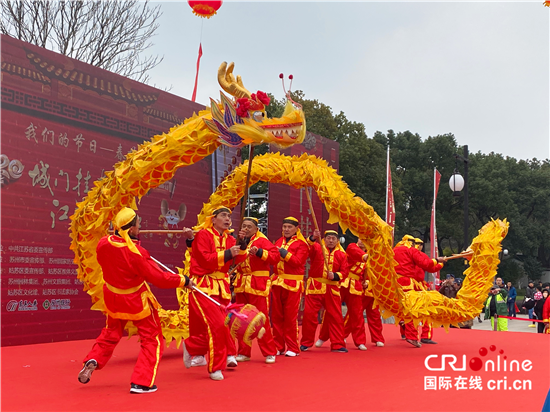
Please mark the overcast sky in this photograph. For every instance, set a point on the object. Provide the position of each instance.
(477, 70)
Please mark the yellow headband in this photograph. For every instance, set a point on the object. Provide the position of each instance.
(252, 219)
(331, 232)
(125, 216)
(407, 240)
(291, 220)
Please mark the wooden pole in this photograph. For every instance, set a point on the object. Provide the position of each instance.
(464, 255)
(160, 231)
(245, 197)
(316, 226)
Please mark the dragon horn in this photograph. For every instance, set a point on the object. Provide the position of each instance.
(227, 81)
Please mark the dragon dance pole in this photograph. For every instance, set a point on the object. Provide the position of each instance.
(245, 197)
(316, 226)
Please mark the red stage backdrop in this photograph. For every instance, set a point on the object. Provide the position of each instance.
(64, 123)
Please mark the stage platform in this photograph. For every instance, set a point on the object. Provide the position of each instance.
(392, 378)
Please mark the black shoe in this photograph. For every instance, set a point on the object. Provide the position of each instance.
(303, 348)
(479, 320)
(86, 373)
(428, 341)
(142, 389)
(402, 336)
(341, 350)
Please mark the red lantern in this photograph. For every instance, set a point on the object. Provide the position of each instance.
(205, 8)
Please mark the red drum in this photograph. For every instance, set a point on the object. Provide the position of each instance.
(248, 325)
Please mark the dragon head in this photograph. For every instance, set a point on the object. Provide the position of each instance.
(243, 120)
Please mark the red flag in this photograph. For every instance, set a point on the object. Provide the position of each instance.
(197, 75)
(433, 231)
(390, 204)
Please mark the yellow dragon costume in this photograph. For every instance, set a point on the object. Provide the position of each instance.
(239, 121)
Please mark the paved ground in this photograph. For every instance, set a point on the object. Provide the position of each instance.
(513, 325)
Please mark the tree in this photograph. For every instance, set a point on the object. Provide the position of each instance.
(107, 34)
(498, 187)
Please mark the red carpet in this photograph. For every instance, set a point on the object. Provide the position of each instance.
(44, 378)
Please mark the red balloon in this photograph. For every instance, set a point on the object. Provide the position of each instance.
(205, 8)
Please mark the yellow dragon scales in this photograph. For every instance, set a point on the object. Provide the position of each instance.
(239, 121)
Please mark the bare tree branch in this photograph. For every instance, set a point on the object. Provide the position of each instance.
(109, 34)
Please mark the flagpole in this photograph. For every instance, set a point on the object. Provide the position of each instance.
(387, 180)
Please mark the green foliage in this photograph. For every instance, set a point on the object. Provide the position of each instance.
(533, 268)
(499, 187)
(510, 271)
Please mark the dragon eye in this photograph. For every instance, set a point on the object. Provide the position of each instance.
(258, 116)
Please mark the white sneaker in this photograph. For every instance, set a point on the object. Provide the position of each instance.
(187, 359)
(198, 361)
(290, 354)
(216, 376)
(242, 358)
(231, 362)
(380, 344)
(362, 347)
(270, 359)
(280, 352)
(319, 343)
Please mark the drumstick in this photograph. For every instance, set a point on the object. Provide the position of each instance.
(316, 227)
(239, 315)
(194, 287)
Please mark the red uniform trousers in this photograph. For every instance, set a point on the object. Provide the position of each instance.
(284, 317)
(408, 329)
(151, 341)
(333, 317)
(374, 320)
(354, 322)
(266, 343)
(411, 332)
(208, 333)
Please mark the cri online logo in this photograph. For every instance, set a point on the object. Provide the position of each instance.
(501, 364)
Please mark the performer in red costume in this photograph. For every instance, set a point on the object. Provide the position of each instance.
(287, 286)
(410, 271)
(212, 252)
(355, 293)
(546, 315)
(253, 284)
(127, 267)
(323, 290)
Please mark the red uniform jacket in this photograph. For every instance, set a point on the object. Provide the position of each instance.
(411, 265)
(356, 276)
(546, 313)
(253, 275)
(318, 276)
(208, 266)
(126, 293)
(290, 270)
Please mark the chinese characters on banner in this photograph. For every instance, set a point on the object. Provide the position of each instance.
(60, 164)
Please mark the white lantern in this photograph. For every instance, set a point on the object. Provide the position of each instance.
(456, 182)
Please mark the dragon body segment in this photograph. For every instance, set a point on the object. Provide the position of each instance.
(237, 122)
